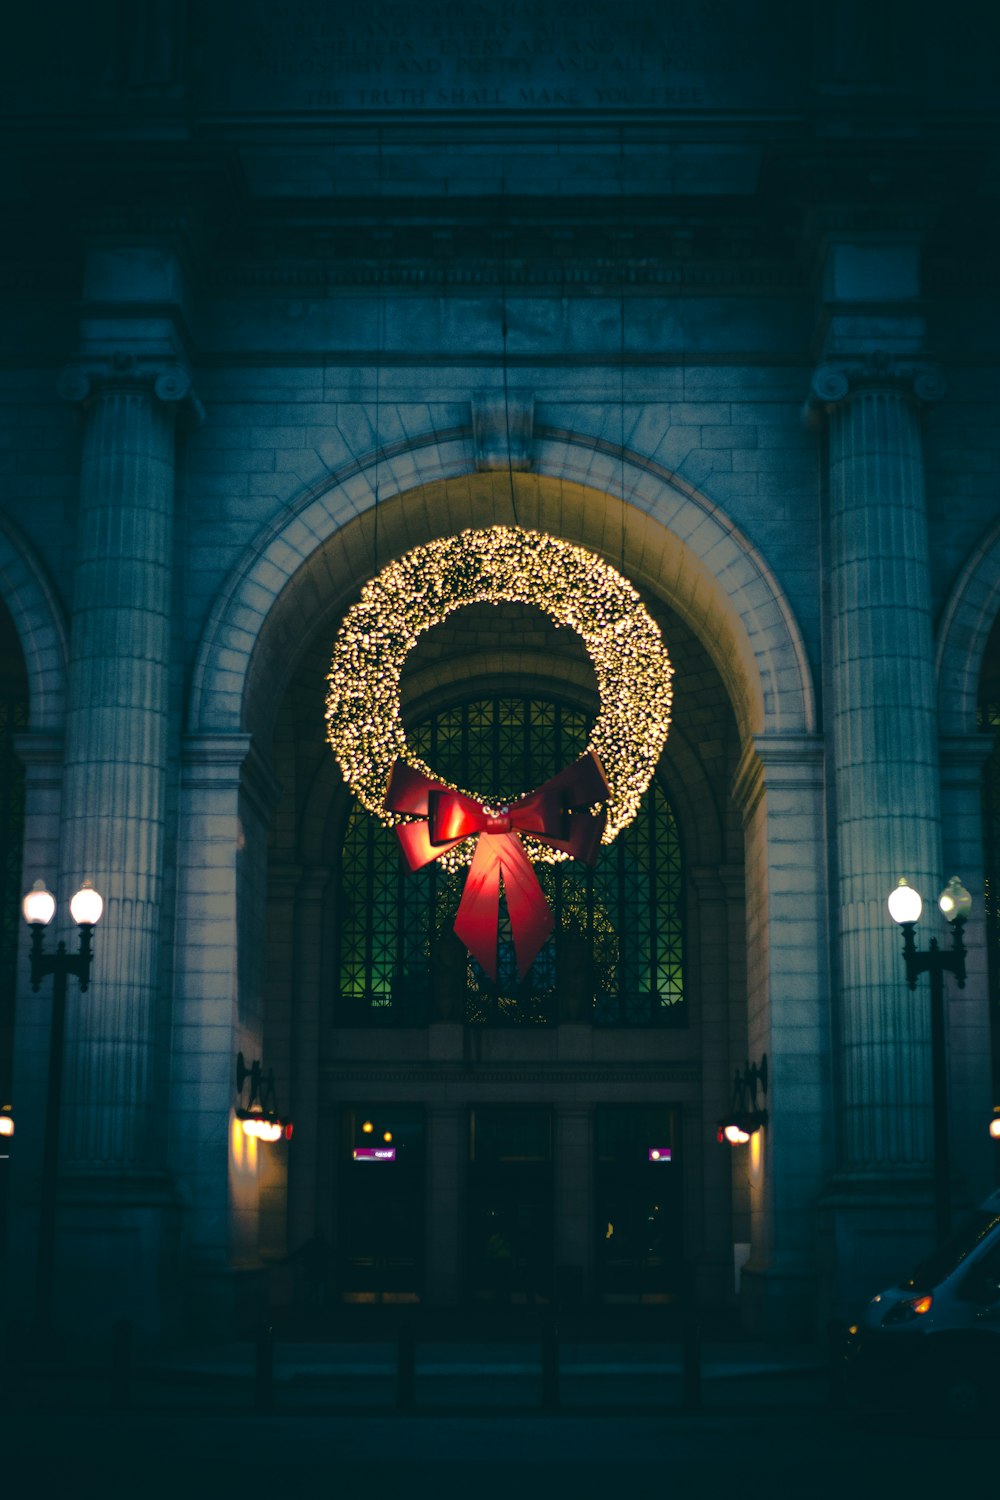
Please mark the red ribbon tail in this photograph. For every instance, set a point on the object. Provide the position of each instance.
(531, 919)
(479, 909)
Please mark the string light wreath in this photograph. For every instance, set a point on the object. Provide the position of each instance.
(499, 565)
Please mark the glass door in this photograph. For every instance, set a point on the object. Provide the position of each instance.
(510, 1206)
(638, 1199)
(380, 1238)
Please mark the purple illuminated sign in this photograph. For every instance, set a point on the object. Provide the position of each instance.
(374, 1153)
(659, 1153)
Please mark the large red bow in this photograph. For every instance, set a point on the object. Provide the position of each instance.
(558, 813)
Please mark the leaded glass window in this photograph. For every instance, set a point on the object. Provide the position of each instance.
(616, 956)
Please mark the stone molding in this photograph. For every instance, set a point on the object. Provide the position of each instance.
(836, 381)
(962, 757)
(167, 381)
(773, 760)
(503, 429)
(221, 762)
(357, 1074)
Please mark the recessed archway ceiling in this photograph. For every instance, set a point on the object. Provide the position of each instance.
(506, 648)
(680, 551)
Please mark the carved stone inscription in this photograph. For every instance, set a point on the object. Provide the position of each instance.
(485, 55)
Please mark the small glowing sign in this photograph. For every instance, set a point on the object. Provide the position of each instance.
(659, 1153)
(374, 1153)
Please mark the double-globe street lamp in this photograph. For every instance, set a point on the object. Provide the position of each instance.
(38, 908)
(905, 906)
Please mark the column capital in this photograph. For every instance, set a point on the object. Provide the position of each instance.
(165, 379)
(790, 761)
(836, 381)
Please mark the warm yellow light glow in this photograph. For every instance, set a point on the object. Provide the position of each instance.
(923, 1304)
(995, 1127)
(955, 901)
(368, 1127)
(387, 1136)
(499, 565)
(735, 1135)
(756, 1150)
(6, 1125)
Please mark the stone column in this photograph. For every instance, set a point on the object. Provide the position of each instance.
(116, 746)
(779, 790)
(574, 1201)
(884, 735)
(447, 1174)
(227, 795)
(311, 901)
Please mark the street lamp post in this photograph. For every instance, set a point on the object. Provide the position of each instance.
(38, 908)
(905, 906)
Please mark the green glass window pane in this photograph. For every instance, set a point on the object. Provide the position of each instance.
(627, 911)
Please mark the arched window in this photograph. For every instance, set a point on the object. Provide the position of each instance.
(616, 956)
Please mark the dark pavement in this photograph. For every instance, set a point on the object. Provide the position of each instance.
(196, 1423)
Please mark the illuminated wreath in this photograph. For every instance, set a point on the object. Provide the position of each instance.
(499, 565)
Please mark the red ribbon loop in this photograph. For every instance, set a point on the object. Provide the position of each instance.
(559, 814)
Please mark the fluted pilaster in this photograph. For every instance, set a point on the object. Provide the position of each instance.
(883, 722)
(116, 745)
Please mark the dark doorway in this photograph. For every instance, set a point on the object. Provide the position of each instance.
(638, 1200)
(380, 1238)
(510, 1205)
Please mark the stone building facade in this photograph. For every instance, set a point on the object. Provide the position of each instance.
(292, 289)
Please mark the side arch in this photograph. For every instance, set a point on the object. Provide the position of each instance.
(963, 631)
(669, 539)
(41, 627)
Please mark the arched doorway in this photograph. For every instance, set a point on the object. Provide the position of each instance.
(747, 724)
(526, 1106)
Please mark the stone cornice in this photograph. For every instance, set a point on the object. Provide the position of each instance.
(428, 1074)
(777, 760)
(836, 381)
(164, 379)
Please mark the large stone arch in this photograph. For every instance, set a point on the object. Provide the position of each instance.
(670, 540)
(963, 631)
(41, 628)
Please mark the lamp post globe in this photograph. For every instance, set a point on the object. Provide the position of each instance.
(905, 903)
(87, 906)
(955, 901)
(39, 905)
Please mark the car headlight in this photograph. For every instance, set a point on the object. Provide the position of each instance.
(905, 1312)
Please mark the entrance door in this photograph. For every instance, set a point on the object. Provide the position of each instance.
(380, 1240)
(510, 1205)
(638, 1199)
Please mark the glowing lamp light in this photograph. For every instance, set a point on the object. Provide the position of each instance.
(905, 904)
(578, 590)
(387, 1136)
(955, 901)
(263, 1127)
(368, 1127)
(39, 905)
(995, 1125)
(87, 906)
(6, 1125)
(735, 1134)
